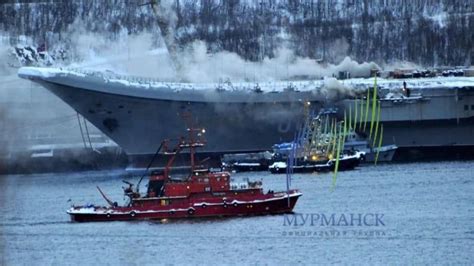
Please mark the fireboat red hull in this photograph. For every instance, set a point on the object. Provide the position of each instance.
(270, 203)
(199, 193)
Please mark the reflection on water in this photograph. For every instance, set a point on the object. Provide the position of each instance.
(427, 211)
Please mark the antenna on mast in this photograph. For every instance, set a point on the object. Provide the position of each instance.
(290, 163)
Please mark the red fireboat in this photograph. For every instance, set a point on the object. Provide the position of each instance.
(201, 193)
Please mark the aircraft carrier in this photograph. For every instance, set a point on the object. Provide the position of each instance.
(435, 122)
(138, 113)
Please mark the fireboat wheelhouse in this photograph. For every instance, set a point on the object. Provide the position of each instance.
(202, 193)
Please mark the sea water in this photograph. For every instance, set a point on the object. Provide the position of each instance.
(393, 213)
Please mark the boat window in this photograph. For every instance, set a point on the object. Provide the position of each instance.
(206, 180)
(466, 107)
(472, 107)
(207, 189)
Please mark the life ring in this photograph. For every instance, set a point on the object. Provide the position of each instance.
(190, 211)
(133, 213)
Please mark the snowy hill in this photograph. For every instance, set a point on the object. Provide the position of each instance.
(426, 32)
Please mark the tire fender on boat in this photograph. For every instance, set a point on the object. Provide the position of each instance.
(203, 206)
(225, 204)
(191, 211)
(235, 204)
(133, 213)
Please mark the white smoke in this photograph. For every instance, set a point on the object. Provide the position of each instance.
(200, 66)
(6, 61)
(136, 55)
(333, 89)
(167, 15)
(129, 54)
(337, 50)
(400, 65)
(26, 108)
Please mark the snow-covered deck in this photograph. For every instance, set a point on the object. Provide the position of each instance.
(258, 87)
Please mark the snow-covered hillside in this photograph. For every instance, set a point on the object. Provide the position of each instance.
(426, 32)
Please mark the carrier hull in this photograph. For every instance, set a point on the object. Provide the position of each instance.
(249, 122)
